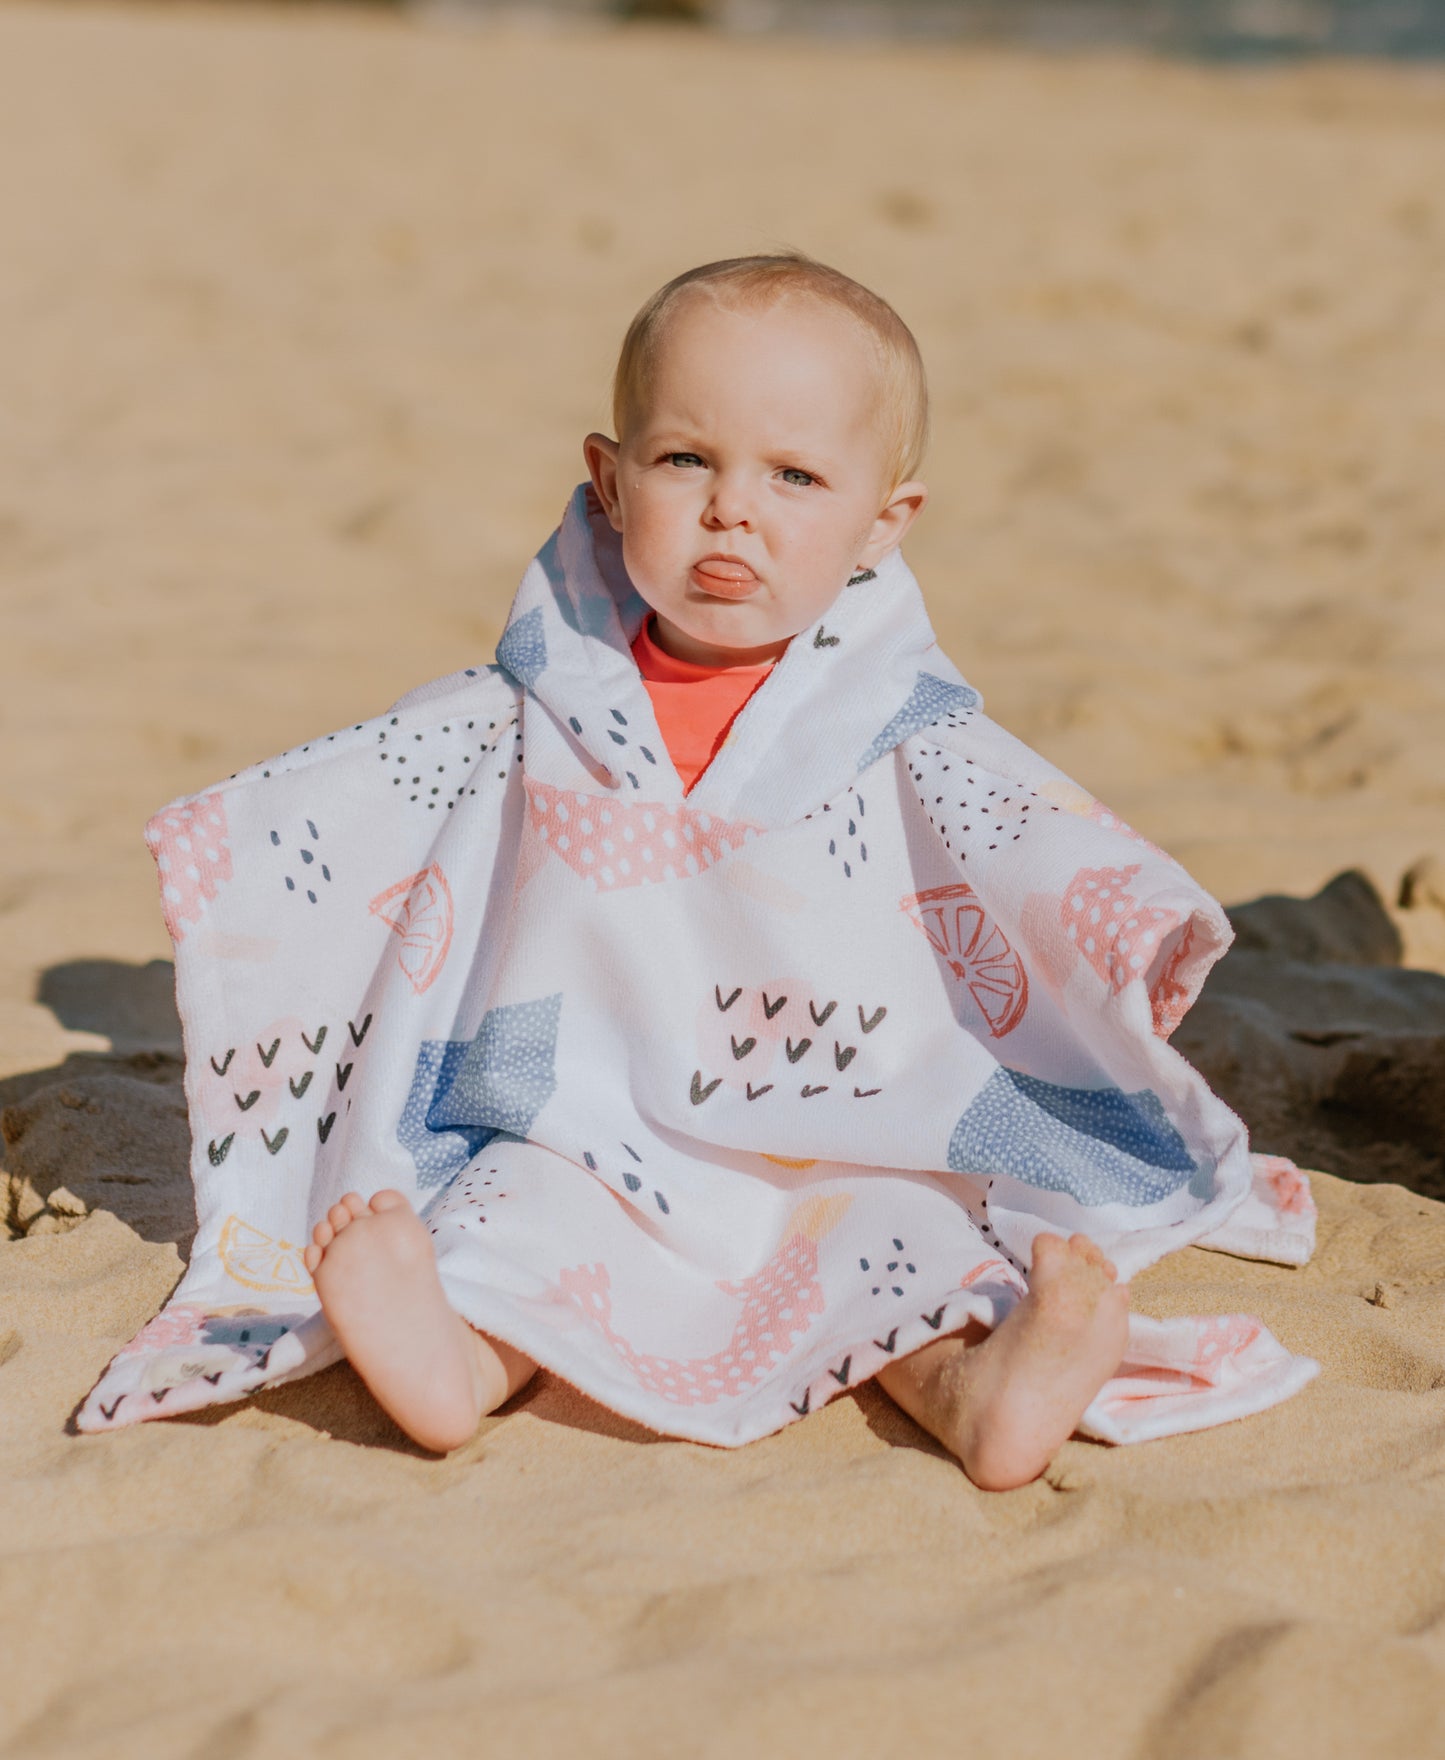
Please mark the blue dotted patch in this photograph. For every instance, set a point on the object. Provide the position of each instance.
(523, 648)
(509, 1071)
(1100, 1145)
(437, 1151)
(930, 699)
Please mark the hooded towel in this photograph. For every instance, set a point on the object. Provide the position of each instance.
(714, 1105)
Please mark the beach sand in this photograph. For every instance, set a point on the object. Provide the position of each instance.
(302, 318)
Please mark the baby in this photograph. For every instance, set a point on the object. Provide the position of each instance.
(770, 419)
(706, 1001)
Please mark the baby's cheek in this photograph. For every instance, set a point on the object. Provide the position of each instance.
(645, 552)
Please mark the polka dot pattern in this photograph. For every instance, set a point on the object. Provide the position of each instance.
(1100, 1145)
(192, 849)
(930, 699)
(1173, 990)
(437, 767)
(778, 1306)
(974, 811)
(523, 648)
(509, 1072)
(1220, 1338)
(437, 1152)
(469, 1201)
(1116, 935)
(614, 843)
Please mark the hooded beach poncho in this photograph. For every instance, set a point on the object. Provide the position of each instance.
(714, 1105)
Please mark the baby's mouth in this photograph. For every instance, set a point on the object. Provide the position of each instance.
(724, 577)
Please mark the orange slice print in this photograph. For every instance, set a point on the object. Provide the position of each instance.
(816, 1217)
(419, 910)
(975, 950)
(260, 1261)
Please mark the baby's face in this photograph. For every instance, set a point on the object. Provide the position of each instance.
(753, 485)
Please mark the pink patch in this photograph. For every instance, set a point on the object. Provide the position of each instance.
(779, 1303)
(1289, 1188)
(1117, 935)
(743, 1034)
(419, 910)
(975, 950)
(1228, 1335)
(175, 1328)
(241, 1087)
(192, 851)
(1169, 998)
(614, 843)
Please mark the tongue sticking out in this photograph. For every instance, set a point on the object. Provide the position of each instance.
(724, 578)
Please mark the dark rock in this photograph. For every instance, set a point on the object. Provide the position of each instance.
(1330, 1057)
(1345, 924)
(111, 1132)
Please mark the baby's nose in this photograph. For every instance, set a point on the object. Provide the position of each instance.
(730, 505)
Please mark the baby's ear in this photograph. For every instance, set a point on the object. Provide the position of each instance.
(601, 456)
(899, 511)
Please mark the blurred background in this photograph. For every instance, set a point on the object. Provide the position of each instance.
(1216, 30)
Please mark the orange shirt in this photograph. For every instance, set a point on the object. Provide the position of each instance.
(695, 705)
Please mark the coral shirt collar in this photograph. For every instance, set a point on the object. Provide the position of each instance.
(660, 667)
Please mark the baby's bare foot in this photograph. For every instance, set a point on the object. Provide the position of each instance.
(376, 1275)
(1007, 1404)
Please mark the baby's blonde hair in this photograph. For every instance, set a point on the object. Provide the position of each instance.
(762, 281)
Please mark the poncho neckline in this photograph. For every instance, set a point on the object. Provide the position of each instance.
(695, 705)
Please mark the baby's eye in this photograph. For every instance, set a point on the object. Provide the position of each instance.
(683, 460)
(798, 479)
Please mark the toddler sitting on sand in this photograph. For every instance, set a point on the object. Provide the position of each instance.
(727, 1012)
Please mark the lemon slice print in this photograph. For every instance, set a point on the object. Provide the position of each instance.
(419, 910)
(260, 1261)
(976, 951)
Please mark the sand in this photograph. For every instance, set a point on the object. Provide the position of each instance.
(302, 317)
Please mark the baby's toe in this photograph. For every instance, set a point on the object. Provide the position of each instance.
(323, 1234)
(389, 1200)
(311, 1257)
(339, 1215)
(1096, 1256)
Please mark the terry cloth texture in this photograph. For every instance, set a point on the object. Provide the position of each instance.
(694, 705)
(713, 1105)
